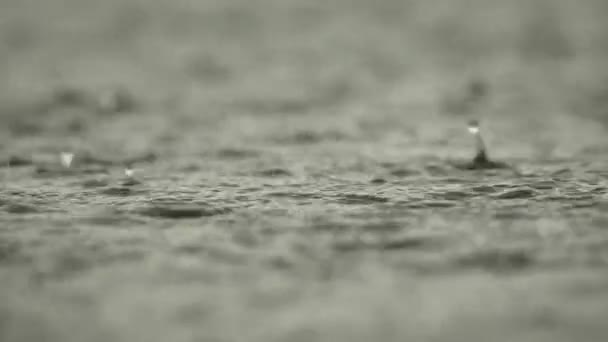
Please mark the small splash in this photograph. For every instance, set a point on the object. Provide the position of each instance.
(474, 129)
(481, 154)
(129, 173)
(481, 161)
(130, 179)
(66, 159)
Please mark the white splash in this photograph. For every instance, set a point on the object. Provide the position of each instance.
(474, 129)
(129, 172)
(66, 159)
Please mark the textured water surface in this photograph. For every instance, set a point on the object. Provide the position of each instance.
(301, 171)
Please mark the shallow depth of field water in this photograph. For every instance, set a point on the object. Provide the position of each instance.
(294, 174)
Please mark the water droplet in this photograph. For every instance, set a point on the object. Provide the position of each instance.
(473, 127)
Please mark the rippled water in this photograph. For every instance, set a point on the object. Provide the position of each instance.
(301, 171)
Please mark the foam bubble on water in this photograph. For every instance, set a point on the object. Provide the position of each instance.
(66, 159)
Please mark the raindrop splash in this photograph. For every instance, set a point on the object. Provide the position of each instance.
(129, 172)
(481, 154)
(66, 159)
